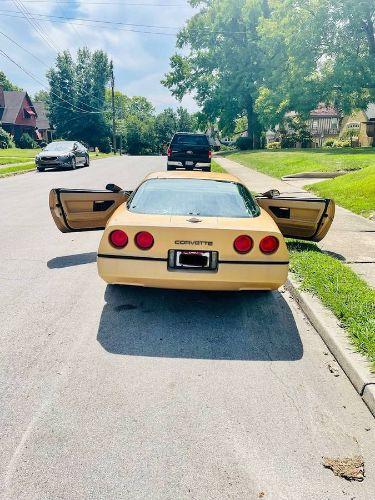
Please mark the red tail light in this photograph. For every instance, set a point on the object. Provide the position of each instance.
(210, 154)
(169, 151)
(144, 240)
(243, 244)
(118, 238)
(269, 245)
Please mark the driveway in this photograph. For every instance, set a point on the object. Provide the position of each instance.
(137, 393)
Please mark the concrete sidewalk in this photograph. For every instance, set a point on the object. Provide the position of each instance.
(351, 237)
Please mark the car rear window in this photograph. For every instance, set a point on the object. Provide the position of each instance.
(191, 140)
(208, 198)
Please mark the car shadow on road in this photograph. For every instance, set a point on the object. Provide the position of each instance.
(199, 325)
(72, 260)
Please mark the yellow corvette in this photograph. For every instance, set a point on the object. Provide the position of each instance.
(192, 230)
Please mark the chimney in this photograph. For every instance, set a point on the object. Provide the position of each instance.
(2, 98)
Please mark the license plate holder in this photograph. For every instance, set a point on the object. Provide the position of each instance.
(189, 163)
(192, 260)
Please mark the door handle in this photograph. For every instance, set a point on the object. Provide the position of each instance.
(102, 206)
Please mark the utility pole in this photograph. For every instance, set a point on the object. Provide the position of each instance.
(113, 109)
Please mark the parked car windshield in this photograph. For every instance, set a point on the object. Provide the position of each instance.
(208, 198)
(59, 146)
(191, 140)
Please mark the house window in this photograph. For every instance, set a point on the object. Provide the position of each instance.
(315, 124)
(28, 113)
(334, 123)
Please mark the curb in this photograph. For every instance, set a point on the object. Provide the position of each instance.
(314, 175)
(356, 367)
(12, 174)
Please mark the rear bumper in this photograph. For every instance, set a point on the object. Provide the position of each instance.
(232, 276)
(181, 164)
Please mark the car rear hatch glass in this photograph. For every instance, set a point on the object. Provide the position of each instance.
(193, 197)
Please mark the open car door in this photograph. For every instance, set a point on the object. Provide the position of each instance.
(301, 218)
(76, 210)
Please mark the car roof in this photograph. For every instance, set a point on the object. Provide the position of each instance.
(211, 176)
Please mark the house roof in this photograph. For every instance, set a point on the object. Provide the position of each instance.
(42, 121)
(13, 102)
(325, 111)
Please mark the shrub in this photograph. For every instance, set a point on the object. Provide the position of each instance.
(289, 141)
(104, 145)
(26, 142)
(244, 143)
(274, 145)
(329, 143)
(6, 140)
(342, 144)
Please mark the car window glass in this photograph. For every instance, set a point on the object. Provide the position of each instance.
(191, 140)
(202, 197)
(59, 146)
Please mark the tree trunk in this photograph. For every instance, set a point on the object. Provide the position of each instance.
(253, 127)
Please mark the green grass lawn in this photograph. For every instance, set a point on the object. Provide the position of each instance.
(10, 161)
(19, 153)
(94, 156)
(354, 191)
(341, 290)
(25, 167)
(293, 161)
(215, 167)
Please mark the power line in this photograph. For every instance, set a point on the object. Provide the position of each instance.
(82, 93)
(147, 32)
(33, 23)
(127, 4)
(121, 23)
(102, 21)
(72, 107)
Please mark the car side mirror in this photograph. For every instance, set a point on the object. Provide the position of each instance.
(272, 193)
(113, 188)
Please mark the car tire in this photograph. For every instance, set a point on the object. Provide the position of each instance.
(40, 169)
(73, 163)
(206, 169)
(169, 167)
(87, 162)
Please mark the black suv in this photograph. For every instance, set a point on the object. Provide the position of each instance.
(189, 151)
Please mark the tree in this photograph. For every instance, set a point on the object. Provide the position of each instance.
(77, 96)
(6, 140)
(41, 96)
(317, 51)
(7, 84)
(166, 125)
(225, 61)
(186, 122)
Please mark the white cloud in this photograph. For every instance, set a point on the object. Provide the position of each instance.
(140, 59)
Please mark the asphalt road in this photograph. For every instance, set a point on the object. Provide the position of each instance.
(129, 393)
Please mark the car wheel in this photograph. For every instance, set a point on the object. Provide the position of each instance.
(87, 162)
(169, 167)
(206, 169)
(40, 169)
(73, 163)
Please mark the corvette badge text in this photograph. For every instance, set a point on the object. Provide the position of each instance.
(198, 243)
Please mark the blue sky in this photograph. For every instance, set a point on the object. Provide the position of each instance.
(140, 59)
